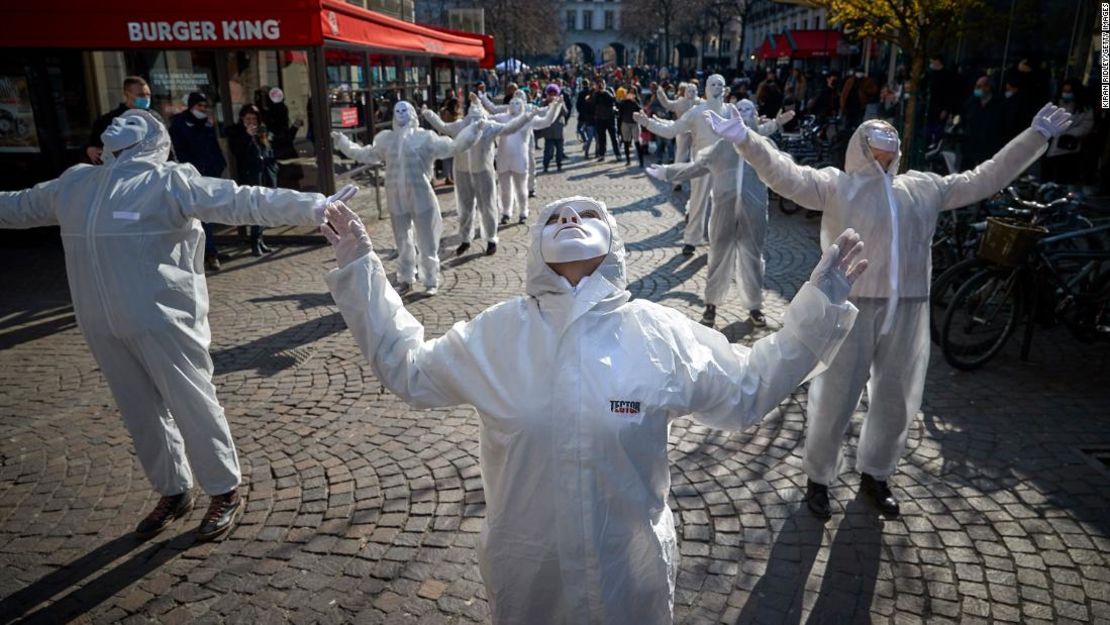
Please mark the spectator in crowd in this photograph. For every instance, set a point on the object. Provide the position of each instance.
(136, 95)
(1063, 163)
(449, 112)
(605, 113)
(859, 89)
(194, 141)
(945, 97)
(553, 134)
(826, 103)
(585, 107)
(984, 125)
(251, 146)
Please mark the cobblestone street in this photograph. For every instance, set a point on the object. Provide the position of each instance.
(361, 509)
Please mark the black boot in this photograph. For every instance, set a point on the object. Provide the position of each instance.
(817, 499)
(709, 317)
(504, 220)
(266, 249)
(168, 510)
(759, 320)
(461, 249)
(256, 248)
(878, 491)
(491, 248)
(688, 250)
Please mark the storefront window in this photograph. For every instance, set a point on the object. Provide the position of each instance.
(388, 89)
(417, 81)
(348, 98)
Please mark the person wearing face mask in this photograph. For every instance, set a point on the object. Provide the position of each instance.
(475, 181)
(136, 95)
(133, 246)
(193, 137)
(888, 349)
(984, 122)
(576, 386)
(858, 91)
(409, 152)
(251, 146)
(738, 223)
(514, 151)
(1064, 162)
(946, 93)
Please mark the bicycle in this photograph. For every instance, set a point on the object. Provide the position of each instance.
(1052, 280)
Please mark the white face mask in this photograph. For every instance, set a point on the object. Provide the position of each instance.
(516, 106)
(199, 114)
(691, 92)
(124, 132)
(277, 96)
(575, 232)
(747, 111)
(402, 115)
(882, 138)
(715, 87)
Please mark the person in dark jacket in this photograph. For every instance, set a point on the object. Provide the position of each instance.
(984, 121)
(136, 95)
(605, 115)
(252, 148)
(585, 107)
(553, 134)
(194, 142)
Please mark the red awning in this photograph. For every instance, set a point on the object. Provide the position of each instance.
(814, 43)
(774, 46)
(489, 59)
(124, 24)
(350, 24)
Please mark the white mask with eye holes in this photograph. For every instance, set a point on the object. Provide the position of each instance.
(575, 231)
(692, 92)
(404, 116)
(124, 132)
(516, 105)
(715, 88)
(747, 112)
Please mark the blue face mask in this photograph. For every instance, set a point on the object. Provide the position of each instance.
(978, 93)
(142, 103)
(1067, 97)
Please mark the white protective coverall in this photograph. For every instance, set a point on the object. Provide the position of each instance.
(888, 348)
(494, 109)
(576, 388)
(693, 122)
(475, 185)
(409, 153)
(688, 98)
(134, 252)
(738, 224)
(514, 151)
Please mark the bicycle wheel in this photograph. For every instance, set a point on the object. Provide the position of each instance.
(980, 318)
(1090, 319)
(944, 288)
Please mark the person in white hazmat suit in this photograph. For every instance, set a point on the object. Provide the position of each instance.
(134, 251)
(514, 151)
(409, 153)
(888, 348)
(687, 99)
(475, 184)
(576, 386)
(738, 223)
(496, 109)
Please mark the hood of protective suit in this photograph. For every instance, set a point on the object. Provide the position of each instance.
(404, 116)
(542, 280)
(715, 88)
(690, 91)
(859, 160)
(747, 111)
(154, 148)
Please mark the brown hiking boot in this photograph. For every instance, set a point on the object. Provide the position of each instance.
(222, 513)
(169, 509)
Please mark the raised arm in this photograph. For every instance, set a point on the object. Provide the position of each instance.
(371, 154)
(806, 186)
(435, 121)
(668, 104)
(490, 107)
(546, 116)
(496, 129)
(222, 201)
(705, 161)
(662, 127)
(446, 147)
(30, 208)
(424, 374)
(736, 387)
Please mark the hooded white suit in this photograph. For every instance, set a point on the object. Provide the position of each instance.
(693, 122)
(738, 224)
(576, 389)
(686, 100)
(494, 109)
(514, 153)
(409, 153)
(888, 348)
(475, 185)
(134, 260)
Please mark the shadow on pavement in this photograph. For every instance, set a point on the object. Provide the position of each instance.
(778, 596)
(848, 585)
(103, 583)
(269, 355)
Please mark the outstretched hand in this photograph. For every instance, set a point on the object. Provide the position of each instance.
(640, 118)
(658, 172)
(1051, 121)
(784, 118)
(347, 235)
(732, 129)
(839, 268)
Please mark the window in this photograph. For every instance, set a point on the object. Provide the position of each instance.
(572, 19)
(726, 46)
(587, 20)
(609, 20)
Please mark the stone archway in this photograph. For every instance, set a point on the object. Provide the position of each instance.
(615, 53)
(579, 53)
(687, 55)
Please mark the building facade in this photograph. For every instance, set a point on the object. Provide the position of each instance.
(767, 18)
(591, 33)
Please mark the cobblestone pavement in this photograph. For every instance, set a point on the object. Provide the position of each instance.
(361, 509)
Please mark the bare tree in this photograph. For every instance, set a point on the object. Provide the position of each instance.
(651, 15)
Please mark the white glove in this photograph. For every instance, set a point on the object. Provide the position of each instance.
(836, 272)
(345, 232)
(733, 129)
(784, 118)
(659, 172)
(640, 118)
(344, 194)
(1051, 121)
(340, 140)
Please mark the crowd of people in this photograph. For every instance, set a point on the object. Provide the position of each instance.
(575, 383)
